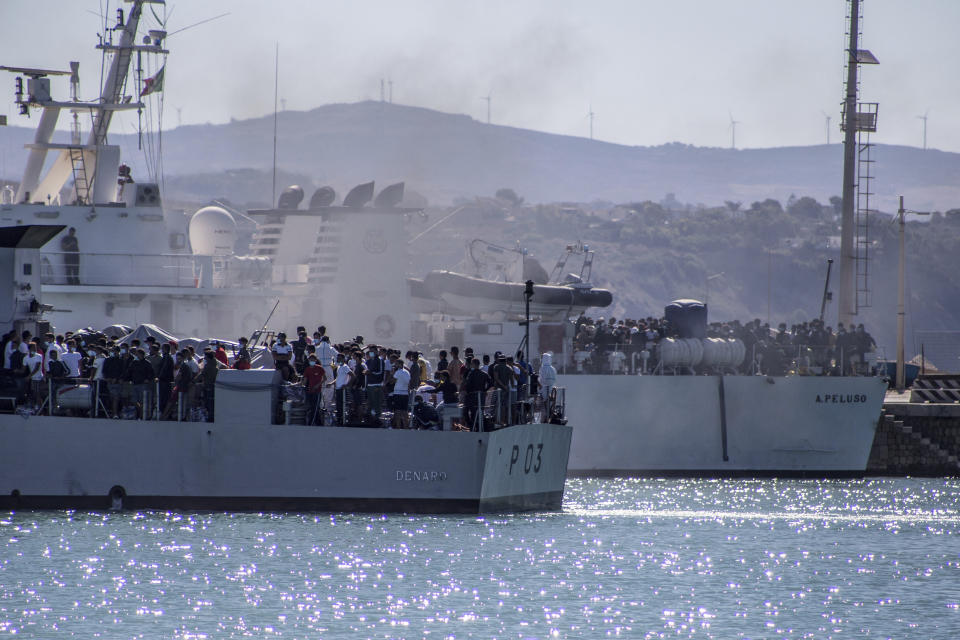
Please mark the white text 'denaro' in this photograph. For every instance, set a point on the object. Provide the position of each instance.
(420, 476)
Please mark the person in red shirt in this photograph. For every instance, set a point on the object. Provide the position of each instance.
(221, 355)
(313, 378)
(242, 362)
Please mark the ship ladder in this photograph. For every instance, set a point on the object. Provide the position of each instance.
(81, 183)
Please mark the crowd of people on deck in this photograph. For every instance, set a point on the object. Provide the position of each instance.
(344, 383)
(134, 379)
(353, 382)
(620, 346)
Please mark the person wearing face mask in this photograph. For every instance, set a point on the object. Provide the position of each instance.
(113, 373)
(374, 378)
(314, 376)
(140, 375)
(414, 368)
(72, 359)
(342, 383)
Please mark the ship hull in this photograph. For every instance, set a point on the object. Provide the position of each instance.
(722, 426)
(58, 462)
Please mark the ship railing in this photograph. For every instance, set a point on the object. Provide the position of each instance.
(771, 359)
(82, 397)
(161, 401)
(619, 359)
(153, 270)
(813, 360)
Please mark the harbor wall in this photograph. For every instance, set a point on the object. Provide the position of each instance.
(916, 439)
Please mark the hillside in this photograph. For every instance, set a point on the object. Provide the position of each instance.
(446, 156)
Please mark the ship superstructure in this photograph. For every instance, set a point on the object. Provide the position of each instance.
(122, 256)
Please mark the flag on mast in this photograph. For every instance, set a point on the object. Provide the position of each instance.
(151, 85)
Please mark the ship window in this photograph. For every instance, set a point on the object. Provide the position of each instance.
(27, 268)
(177, 241)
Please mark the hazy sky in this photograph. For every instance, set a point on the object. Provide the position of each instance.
(653, 71)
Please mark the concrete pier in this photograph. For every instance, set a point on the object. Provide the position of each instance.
(916, 439)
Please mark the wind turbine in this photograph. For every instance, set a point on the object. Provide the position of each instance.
(733, 131)
(487, 98)
(828, 118)
(924, 118)
(590, 115)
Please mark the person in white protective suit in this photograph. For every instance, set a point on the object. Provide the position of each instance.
(548, 375)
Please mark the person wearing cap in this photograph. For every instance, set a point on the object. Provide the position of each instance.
(299, 347)
(282, 352)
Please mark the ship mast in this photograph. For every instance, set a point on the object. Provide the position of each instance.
(117, 75)
(852, 124)
(87, 163)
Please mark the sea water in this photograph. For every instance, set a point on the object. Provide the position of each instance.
(630, 558)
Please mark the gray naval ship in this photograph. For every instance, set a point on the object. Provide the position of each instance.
(243, 459)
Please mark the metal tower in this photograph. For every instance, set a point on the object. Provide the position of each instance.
(857, 122)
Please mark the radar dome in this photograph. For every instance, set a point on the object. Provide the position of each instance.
(213, 232)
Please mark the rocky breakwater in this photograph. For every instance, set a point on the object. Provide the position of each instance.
(917, 439)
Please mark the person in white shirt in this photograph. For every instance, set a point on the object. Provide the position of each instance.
(33, 361)
(72, 359)
(400, 398)
(192, 361)
(282, 352)
(327, 354)
(342, 382)
(97, 370)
